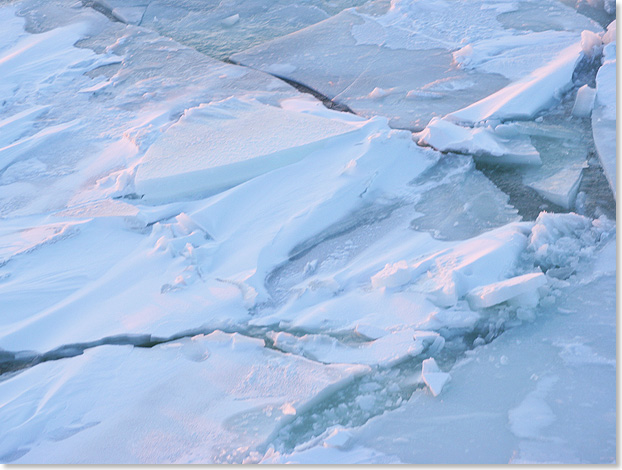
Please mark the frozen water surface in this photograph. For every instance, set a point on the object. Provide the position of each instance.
(220, 29)
(398, 60)
(200, 263)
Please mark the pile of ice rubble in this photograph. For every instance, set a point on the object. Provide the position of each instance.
(488, 129)
(200, 264)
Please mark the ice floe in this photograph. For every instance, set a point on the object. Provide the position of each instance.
(384, 352)
(524, 98)
(484, 143)
(219, 145)
(407, 48)
(604, 113)
(433, 377)
(520, 289)
(584, 102)
(191, 400)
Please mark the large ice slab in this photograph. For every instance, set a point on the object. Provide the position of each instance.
(383, 352)
(562, 187)
(563, 142)
(514, 56)
(446, 276)
(604, 113)
(53, 153)
(394, 60)
(524, 98)
(493, 294)
(219, 145)
(484, 143)
(203, 399)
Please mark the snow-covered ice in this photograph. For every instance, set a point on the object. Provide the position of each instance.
(393, 275)
(400, 59)
(521, 289)
(604, 113)
(584, 101)
(501, 147)
(191, 400)
(383, 352)
(200, 155)
(524, 98)
(433, 377)
(201, 263)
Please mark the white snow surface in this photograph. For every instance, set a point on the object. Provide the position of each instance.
(584, 101)
(604, 113)
(484, 143)
(383, 352)
(200, 264)
(518, 288)
(196, 397)
(201, 154)
(524, 98)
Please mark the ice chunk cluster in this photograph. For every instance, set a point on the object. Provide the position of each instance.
(560, 241)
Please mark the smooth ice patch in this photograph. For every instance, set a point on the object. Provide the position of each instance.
(533, 414)
(392, 59)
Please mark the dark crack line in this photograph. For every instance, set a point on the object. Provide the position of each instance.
(13, 361)
(104, 10)
(301, 87)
